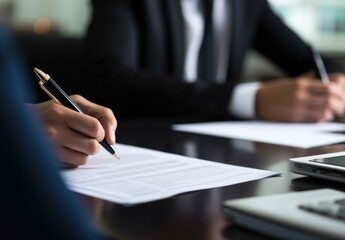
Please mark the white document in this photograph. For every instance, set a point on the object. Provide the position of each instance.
(303, 135)
(143, 175)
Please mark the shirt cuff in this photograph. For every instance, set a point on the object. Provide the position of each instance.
(242, 103)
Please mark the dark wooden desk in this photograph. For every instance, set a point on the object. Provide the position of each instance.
(198, 215)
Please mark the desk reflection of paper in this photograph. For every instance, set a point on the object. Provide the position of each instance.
(144, 175)
(303, 135)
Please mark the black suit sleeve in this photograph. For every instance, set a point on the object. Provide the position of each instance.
(121, 79)
(126, 74)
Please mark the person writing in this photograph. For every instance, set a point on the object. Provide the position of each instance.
(185, 57)
(75, 136)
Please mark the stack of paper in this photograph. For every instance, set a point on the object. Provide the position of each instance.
(143, 175)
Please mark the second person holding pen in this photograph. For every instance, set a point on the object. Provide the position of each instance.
(144, 50)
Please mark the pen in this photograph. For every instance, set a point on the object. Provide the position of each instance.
(59, 96)
(322, 73)
(320, 67)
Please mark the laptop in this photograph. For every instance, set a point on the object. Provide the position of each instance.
(313, 214)
(329, 166)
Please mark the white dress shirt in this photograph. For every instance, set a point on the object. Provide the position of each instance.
(242, 103)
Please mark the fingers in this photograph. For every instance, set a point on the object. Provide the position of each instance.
(75, 135)
(310, 115)
(296, 100)
(109, 124)
(71, 158)
(325, 97)
(84, 124)
(104, 115)
(338, 78)
(337, 85)
(75, 141)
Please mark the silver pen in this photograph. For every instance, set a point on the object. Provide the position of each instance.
(320, 67)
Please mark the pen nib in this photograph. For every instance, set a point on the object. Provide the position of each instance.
(116, 155)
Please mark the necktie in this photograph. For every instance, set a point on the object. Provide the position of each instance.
(206, 54)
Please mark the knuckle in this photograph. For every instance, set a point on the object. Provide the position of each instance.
(77, 97)
(93, 147)
(110, 114)
(299, 83)
(97, 130)
(56, 111)
(108, 111)
(51, 132)
(98, 134)
(94, 125)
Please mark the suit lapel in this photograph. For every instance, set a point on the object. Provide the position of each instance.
(239, 35)
(176, 29)
(234, 35)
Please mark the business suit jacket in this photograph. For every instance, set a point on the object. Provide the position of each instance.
(135, 50)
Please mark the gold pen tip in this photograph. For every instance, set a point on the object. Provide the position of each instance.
(40, 74)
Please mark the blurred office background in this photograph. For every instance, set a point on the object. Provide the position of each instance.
(320, 22)
(64, 17)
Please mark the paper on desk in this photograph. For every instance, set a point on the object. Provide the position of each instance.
(303, 135)
(143, 175)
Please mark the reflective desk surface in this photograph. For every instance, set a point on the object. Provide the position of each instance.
(198, 215)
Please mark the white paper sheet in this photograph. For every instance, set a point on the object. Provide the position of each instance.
(143, 175)
(303, 135)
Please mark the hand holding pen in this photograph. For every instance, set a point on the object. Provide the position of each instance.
(320, 67)
(77, 135)
(308, 97)
(337, 80)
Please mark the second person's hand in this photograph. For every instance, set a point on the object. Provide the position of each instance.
(302, 99)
